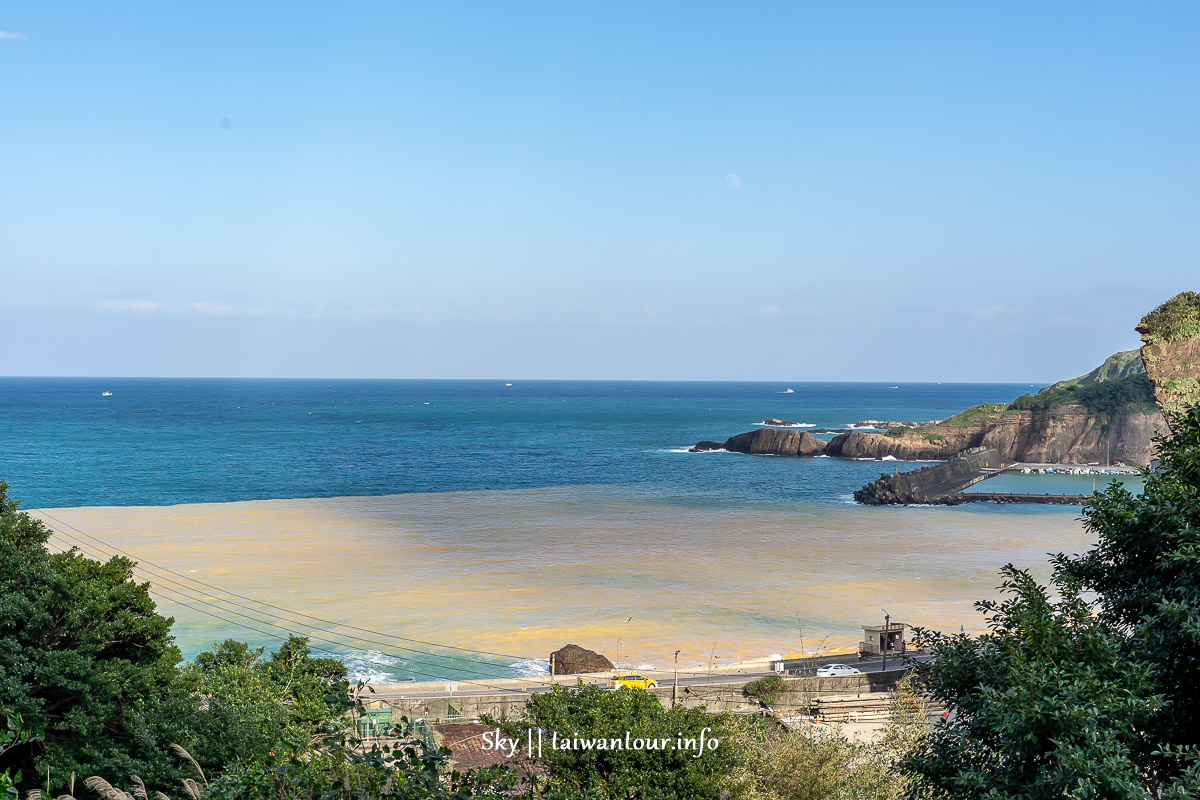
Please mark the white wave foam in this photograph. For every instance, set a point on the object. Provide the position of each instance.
(887, 458)
(370, 666)
(789, 425)
(530, 668)
(690, 450)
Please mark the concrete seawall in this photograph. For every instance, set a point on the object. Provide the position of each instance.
(507, 697)
(930, 484)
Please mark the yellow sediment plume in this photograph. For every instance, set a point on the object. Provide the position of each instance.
(525, 572)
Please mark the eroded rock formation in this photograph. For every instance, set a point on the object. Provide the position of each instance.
(1107, 415)
(768, 441)
(1171, 352)
(574, 660)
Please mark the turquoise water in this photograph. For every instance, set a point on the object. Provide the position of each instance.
(163, 441)
(1019, 483)
(461, 492)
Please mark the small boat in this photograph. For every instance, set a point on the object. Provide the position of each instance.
(508, 384)
(788, 391)
(106, 394)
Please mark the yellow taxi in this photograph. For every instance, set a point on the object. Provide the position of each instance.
(632, 681)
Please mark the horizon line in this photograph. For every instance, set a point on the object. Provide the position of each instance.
(507, 380)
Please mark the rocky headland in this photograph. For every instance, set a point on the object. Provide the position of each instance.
(1110, 414)
(1107, 415)
(1171, 352)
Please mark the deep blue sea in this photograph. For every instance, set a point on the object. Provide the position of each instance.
(167, 441)
(623, 523)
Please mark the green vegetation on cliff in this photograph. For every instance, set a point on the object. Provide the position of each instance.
(1132, 393)
(1178, 318)
(1119, 385)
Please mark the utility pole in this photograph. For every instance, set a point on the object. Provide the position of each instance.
(552, 669)
(675, 688)
(887, 624)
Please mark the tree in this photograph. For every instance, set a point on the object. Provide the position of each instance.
(258, 709)
(595, 743)
(85, 660)
(1145, 571)
(1071, 697)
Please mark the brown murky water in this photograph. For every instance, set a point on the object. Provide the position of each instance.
(524, 572)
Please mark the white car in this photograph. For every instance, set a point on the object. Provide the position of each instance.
(833, 670)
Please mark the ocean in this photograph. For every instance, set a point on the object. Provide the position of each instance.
(505, 518)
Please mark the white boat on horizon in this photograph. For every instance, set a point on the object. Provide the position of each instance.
(788, 391)
(106, 394)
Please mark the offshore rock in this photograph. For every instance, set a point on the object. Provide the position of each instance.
(574, 660)
(775, 442)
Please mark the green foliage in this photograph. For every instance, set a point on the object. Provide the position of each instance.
(972, 417)
(1177, 318)
(818, 762)
(85, 660)
(341, 769)
(767, 689)
(812, 763)
(13, 735)
(590, 712)
(1129, 394)
(1058, 701)
(1145, 570)
(1119, 365)
(256, 707)
(1044, 704)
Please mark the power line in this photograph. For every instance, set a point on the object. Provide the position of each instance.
(271, 605)
(175, 594)
(187, 593)
(162, 579)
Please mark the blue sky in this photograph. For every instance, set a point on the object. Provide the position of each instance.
(835, 191)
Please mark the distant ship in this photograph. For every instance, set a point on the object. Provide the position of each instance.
(106, 394)
(788, 391)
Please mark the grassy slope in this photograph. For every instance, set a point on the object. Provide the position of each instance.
(1119, 385)
(1178, 318)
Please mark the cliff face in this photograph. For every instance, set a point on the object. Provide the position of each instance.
(1171, 352)
(1069, 434)
(1108, 414)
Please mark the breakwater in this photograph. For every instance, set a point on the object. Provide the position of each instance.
(934, 483)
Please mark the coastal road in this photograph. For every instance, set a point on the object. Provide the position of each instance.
(480, 687)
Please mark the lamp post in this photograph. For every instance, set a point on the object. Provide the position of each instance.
(675, 688)
(887, 624)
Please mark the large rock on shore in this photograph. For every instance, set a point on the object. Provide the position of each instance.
(574, 660)
(770, 441)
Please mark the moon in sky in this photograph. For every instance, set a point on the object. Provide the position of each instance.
(732, 181)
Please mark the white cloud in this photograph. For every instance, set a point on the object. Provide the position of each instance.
(990, 313)
(212, 309)
(9, 36)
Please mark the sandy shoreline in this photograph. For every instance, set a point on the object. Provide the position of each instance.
(523, 572)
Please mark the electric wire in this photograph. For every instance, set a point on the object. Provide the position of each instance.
(275, 618)
(271, 605)
(193, 603)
